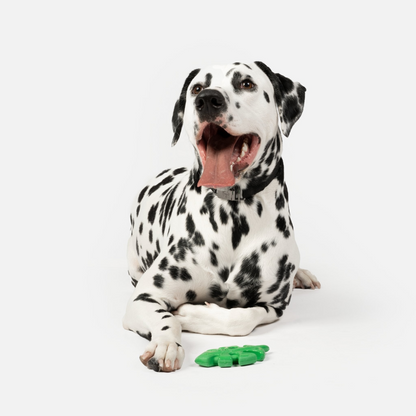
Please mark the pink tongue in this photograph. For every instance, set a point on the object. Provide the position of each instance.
(217, 172)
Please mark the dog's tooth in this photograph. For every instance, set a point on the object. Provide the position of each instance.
(244, 149)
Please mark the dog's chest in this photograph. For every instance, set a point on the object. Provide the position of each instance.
(240, 247)
(230, 232)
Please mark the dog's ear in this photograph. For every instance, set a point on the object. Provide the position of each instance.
(178, 111)
(289, 97)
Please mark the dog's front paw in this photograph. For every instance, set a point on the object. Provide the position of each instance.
(163, 356)
(202, 319)
(304, 279)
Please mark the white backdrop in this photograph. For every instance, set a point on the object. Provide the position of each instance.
(87, 90)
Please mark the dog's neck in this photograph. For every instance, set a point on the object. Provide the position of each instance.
(249, 186)
(253, 185)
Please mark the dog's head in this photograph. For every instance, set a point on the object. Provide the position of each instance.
(232, 114)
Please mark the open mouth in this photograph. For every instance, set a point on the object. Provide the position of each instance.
(225, 157)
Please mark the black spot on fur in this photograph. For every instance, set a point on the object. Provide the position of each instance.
(286, 193)
(270, 159)
(208, 78)
(280, 172)
(131, 224)
(174, 272)
(182, 202)
(224, 273)
(167, 207)
(158, 280)
(223, 215)
(150, 236)
(194, 177)
(280, 298)
(249, 279)
(142, 193)
(179, 171)
(229, 72)
(184, 275)
(165, 328)
(171, 238)
(292, 109)
(266, 96)
(183, 247)
(214, 260)
(236, 82)
(190, 225)
(147, 336)
(198, 240)
(284, 272)
(237, 104)
(216, 292)
(279, 312)
(141, 228)
(165, 181)
(152, 213)
(163, 265)
(149, 259)
(145, 297)
(282, 226)
(240, 228)
(259, 208)
(190, 295)
(162, 173)
(208, 208)
(249, 267)
(168, 305)
(249, 201)
(166, 316)
(280, 202)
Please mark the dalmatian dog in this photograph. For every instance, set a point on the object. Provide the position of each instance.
(212, 248)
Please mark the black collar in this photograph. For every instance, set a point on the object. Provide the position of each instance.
(236, 194)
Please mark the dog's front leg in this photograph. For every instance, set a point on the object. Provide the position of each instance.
(148, 314)
(213, 319)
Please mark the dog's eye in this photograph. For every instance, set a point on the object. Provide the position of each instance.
(247, 85)
(197, 89)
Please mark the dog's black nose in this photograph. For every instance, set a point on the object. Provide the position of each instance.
(210, 104)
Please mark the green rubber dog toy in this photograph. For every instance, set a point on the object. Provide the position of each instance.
(227, 356)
